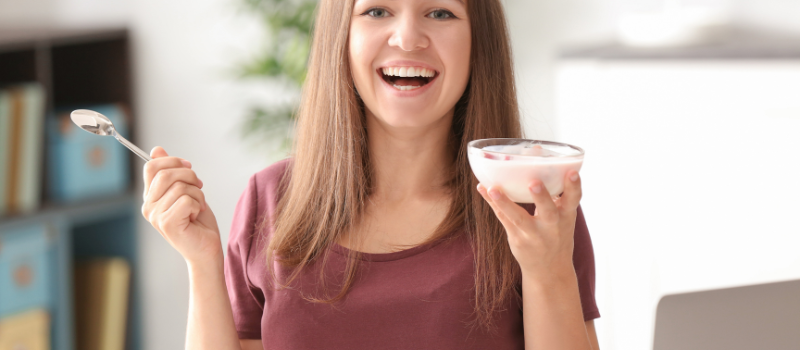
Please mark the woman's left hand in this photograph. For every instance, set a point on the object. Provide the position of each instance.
(542, 243)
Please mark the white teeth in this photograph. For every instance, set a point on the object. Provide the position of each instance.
(404, 87)
(408, 72)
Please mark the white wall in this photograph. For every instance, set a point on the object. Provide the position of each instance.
(540, 28)
(683, 180)
(21, 12)
(772, 14)
(537, 28)
(48, 12)
(190, 105)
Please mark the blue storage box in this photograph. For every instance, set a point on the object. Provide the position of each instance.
(24, 269)
(83, 165)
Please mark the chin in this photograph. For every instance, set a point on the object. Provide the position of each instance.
(409, 119)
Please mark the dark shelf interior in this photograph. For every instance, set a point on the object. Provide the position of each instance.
(91, 73)
(18, 66)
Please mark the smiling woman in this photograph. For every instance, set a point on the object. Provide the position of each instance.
(373, 236)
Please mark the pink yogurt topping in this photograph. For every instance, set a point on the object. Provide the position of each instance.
(535, 150)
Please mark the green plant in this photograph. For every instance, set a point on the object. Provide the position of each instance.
(284, 59)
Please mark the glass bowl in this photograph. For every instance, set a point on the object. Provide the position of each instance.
(512, 164)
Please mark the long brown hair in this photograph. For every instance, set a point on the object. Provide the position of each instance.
(331, 174)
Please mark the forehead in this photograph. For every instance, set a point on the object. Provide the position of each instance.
(454, 1)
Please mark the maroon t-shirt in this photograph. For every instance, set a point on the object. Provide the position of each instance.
(419, 298)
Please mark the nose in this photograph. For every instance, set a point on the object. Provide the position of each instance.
(409, 35)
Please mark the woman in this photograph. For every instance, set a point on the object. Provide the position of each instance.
(375, 235)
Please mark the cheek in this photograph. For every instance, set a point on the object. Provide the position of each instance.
(465, 51)
(456, 54)
(359, 56)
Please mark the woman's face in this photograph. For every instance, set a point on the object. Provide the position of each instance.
(410, 58)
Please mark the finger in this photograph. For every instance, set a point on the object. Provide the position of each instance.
(180, 214)
(166, 177)
(506, 210)
(503, 219)
(572, 191)
(546, 209)
(151, 168)
(160, 207)
(158, 152)
(177, 190)
(149, 215)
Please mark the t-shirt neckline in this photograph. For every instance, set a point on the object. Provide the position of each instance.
(379, 257)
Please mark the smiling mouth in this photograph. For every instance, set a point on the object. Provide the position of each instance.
(407, 78)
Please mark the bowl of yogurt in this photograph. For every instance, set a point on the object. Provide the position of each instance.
(512, 164)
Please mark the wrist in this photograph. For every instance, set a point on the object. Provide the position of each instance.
(552, 279)
(211, 264)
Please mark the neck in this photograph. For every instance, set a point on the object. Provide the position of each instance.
(409, 163)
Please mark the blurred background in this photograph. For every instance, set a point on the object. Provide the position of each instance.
(689, 112)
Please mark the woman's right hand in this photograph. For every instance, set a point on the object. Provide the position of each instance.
(176, 207)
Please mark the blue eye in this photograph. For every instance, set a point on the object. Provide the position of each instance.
(441, 14)
(377, 12)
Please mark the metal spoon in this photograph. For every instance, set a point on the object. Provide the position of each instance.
(99, 124)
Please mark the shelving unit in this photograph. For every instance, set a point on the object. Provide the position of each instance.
(78, 67)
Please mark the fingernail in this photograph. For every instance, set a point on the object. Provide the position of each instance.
(574, 177)
(536, 188)
(201, 182)
(495, 194)
(186, 163)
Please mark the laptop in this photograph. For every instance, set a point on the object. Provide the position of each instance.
(765, 316)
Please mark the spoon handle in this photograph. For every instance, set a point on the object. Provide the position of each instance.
(133, 148)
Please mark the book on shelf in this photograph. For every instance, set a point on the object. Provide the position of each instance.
(82, 165)
(26, 273)
(5, 147)
(101, 303)
(22, 109)
(29, 330)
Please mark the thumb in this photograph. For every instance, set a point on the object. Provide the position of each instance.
(158, 152)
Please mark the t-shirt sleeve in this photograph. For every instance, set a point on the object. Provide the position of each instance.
(246, 299)
(583, 260)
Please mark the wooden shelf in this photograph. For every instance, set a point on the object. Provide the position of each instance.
(21, 38)
(78, 212)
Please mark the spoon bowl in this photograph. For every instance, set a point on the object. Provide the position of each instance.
(98, 124)
(93, 122)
